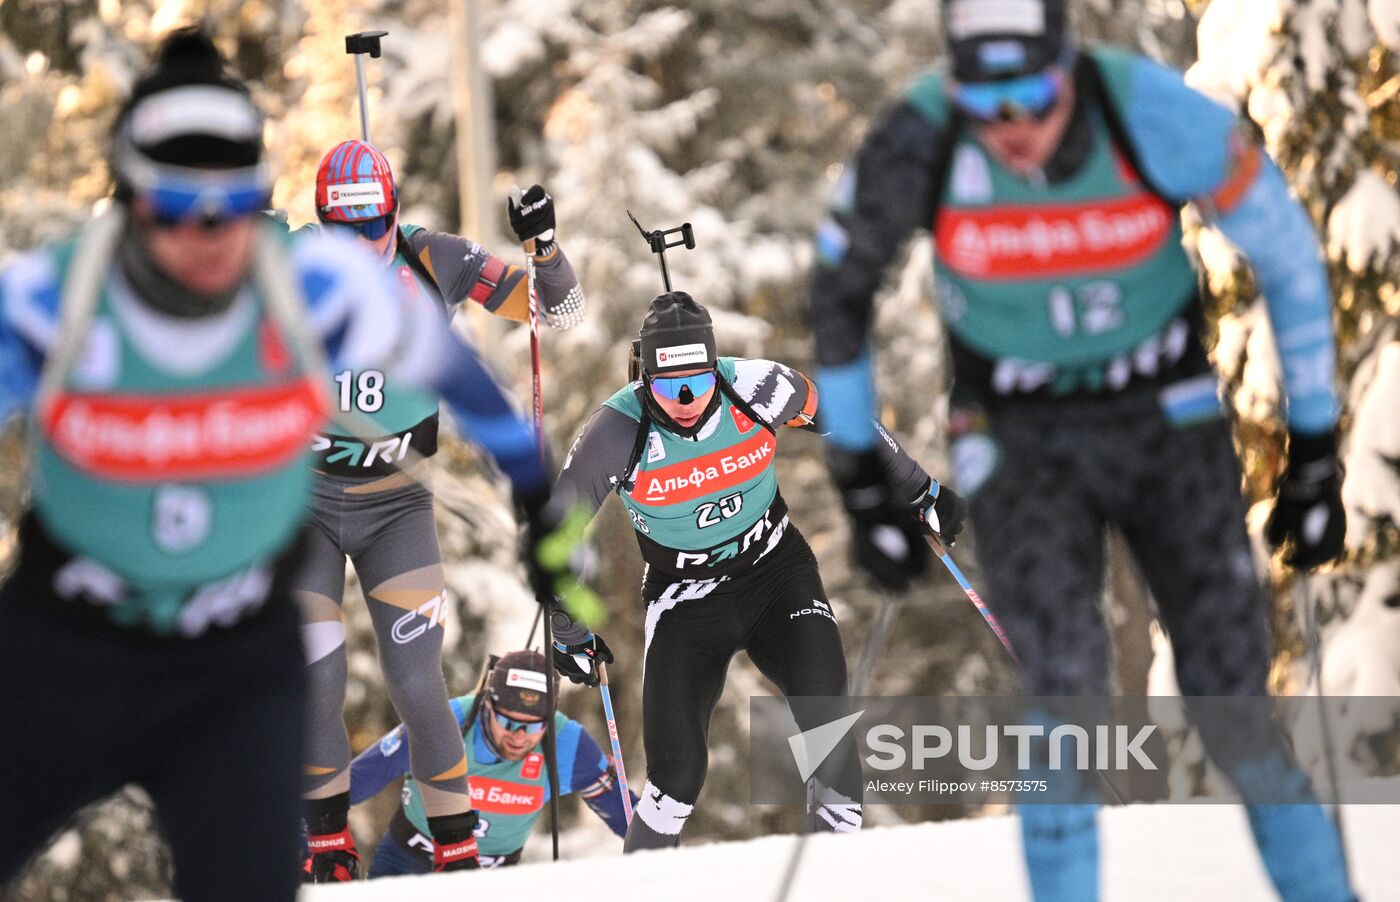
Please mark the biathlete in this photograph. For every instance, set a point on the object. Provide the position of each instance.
(501, 729)
(173, 360)
(365, 507)
(689, 448)
(1052, 178)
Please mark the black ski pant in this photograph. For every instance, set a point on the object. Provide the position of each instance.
(776, 611)
(1066, 471)
(210, 727)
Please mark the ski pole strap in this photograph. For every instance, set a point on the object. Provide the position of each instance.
(616, 742)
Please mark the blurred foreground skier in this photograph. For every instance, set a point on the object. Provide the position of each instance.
(173, 360)
(1052, 178)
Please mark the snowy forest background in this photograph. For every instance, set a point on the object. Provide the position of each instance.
(735, 117)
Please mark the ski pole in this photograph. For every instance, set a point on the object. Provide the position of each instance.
(535, 343)
(972, 595)
(616, 742)
(357, 45)
(1314, 640)
(991, 619)
(481, 683)
(534, 625)
(865, 667)
(529, 246)
(551, 758)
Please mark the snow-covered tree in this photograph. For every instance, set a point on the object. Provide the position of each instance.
(1320, 80)
(737, 118)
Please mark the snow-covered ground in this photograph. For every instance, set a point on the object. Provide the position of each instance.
(1163, 852)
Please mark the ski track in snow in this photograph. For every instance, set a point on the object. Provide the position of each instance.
(1150, 853)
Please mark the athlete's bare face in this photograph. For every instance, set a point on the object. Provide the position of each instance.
(1025, 145)
(205, 258)
(513, 746)
(685, 415)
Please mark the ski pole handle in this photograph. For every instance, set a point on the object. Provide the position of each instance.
(972, 595)
(616, 742)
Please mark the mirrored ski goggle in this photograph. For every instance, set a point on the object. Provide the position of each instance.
(671, 387)
(177, 194)
(1024, 97)
(511, 725)
(372, 229)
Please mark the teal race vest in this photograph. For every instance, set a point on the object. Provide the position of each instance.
(508, 796)
(1062, 279)
(403, 417)
(174, 482)
(701, 505)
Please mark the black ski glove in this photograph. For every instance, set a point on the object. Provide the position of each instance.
(1308, 512)
(532, 216)
(886, 537)
(941, 511)
(577, 651)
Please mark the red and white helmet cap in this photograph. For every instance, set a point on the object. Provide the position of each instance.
(354, 183)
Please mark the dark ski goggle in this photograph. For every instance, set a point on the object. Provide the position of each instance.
(373, 229)
(511, 725)
(204, 220)
(671, 387)
(1024, 97)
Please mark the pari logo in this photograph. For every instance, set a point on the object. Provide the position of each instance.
(893, 747)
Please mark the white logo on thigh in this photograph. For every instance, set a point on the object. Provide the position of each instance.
(818, 607)
(435, 612)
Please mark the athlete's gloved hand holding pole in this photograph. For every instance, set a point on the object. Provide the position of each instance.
(1308, 515)
(887, 533)
(579, 653)
(558, 558)
(532, 218)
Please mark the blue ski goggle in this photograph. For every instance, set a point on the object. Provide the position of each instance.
(178, 194)
(671, 387)
(1024, 97)
(511, 725)
(372, 229)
